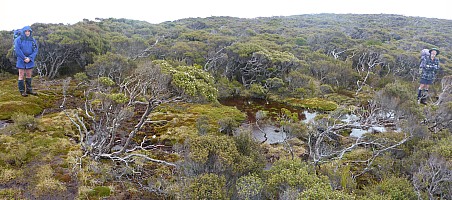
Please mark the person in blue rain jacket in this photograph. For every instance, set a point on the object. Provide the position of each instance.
(429, 67)
(26, 49)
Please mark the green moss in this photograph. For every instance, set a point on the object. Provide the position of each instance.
(181, 119)
(345, 132)
(99, 191)
(54, 146)
(57, 122)
(29, 142)
(358, 154)
(7, 109)
(23, 152)
(12, 102)
(340, 99)
(312, 103)
(216, 112)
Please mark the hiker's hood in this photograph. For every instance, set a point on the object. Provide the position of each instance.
(27, 28)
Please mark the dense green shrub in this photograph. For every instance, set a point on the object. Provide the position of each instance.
(391, 188)
(249, 187)
(208, 186)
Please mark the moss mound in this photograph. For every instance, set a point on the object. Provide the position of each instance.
(12, 102)
(312, 103)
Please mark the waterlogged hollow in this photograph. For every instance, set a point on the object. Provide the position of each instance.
(4, 123)
(273, 134)
(251, 106)
(265, 133)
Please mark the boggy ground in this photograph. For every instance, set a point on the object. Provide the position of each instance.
(40, 154)
(35, 151)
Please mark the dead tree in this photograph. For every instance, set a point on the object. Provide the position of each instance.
(49, 65)
(326, 144)
(213, 57)
(366, 64)
(145, 53)
(102, 121)
(435, 177)
(336, 53)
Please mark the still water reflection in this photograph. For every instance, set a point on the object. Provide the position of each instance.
(272, 134)
(250, 106)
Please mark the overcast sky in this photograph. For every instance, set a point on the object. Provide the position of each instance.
(16, 14)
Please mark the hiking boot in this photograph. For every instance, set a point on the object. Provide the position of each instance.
(21, 85)
(423, 101)
(32, 93)
(29, 88)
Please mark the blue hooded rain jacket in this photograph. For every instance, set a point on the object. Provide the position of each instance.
(25, 47)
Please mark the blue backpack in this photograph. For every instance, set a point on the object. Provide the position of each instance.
(16, 33)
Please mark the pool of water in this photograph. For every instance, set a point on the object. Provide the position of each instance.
(267, 133)
(3, 124)
(251, 106)
(272, 134)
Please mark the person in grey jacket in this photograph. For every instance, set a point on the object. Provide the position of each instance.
(429, 67)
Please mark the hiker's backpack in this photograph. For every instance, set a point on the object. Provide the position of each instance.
(16, 33)
(425, 54)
